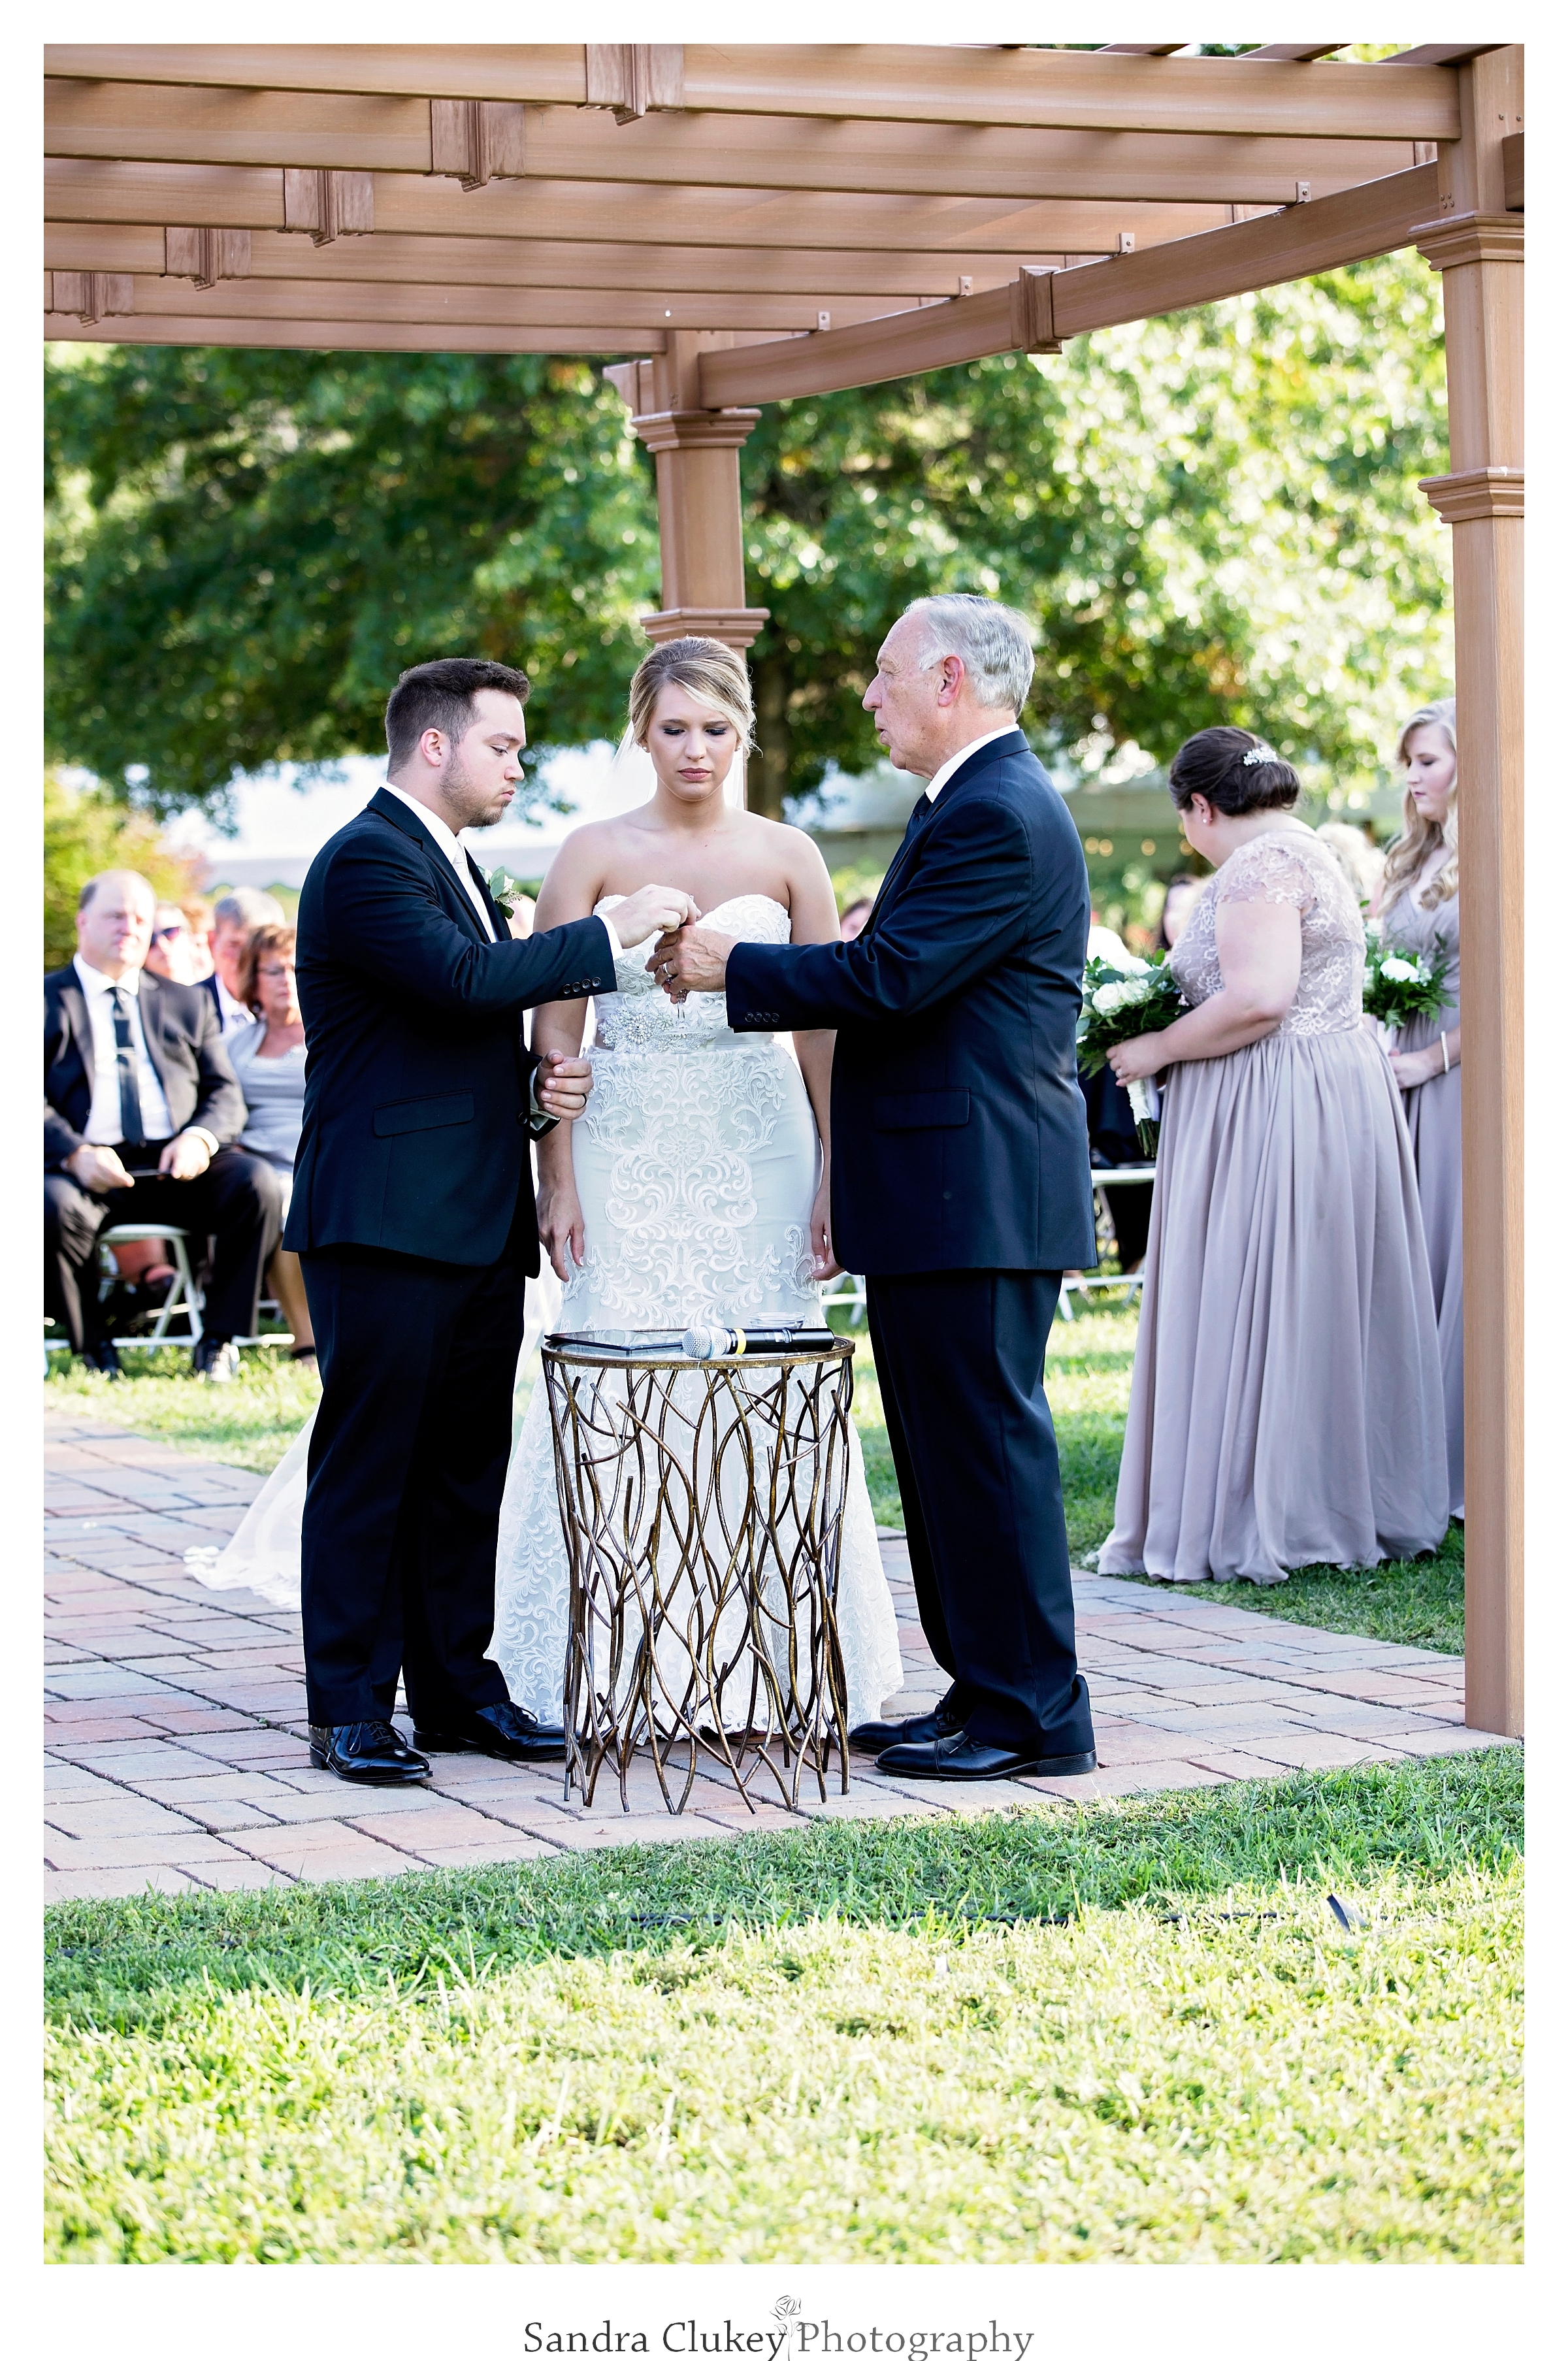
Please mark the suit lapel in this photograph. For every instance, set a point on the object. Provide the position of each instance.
(1013, 743)
(448, 882)
(149, 1000)
(498, 916)
(76, 1031)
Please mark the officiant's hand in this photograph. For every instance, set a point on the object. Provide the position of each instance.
(693, 959)
(1136, 1060)
(561, 1085)
(652, 910)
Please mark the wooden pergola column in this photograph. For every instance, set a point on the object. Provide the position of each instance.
(1478, 245)
(696, 462)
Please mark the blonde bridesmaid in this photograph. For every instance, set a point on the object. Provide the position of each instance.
(1418, 906)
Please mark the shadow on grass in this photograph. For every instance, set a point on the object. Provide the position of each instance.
(140, 1962)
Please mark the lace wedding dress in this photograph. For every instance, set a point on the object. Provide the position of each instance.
(695, 1164)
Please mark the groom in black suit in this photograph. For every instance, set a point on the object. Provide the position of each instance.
(413, 1217)
(961, 1182)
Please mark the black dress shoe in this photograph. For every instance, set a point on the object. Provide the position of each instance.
(915, 1729)
(504, 1731)
(963, 1757)
(367, 1753)
(103, 1358)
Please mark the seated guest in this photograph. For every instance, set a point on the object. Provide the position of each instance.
(172, 951)
(235, 921)
(852, 923)
(200, 918)
(1180, 896)
(270, 1062)
(141, 1109)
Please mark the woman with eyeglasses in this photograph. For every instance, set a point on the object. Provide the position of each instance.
(269, 1060)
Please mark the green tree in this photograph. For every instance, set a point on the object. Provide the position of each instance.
(86, 831)
(1213, 517)
(248, 547)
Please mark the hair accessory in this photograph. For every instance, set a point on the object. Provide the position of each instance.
(1256, 755)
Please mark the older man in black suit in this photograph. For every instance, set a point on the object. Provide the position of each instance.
(141, 1109)
(960, 1175)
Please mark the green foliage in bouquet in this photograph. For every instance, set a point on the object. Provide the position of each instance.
(1121, 1002)
(1399, 985)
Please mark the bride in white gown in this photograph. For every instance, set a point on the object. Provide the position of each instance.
(696, 1185)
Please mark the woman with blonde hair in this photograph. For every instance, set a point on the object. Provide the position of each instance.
(695, 1188)
(1419, 911)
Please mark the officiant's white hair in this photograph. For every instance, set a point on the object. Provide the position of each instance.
(992, 640)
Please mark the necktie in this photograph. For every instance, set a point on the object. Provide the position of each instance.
(921, 813)
(133, 1131)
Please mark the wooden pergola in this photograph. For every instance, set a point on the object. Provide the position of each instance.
(746, 223)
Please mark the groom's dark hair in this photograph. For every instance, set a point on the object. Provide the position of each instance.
(440, 696)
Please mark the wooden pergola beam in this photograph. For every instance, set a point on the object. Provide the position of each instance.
(587, 316)
(167, 122)
(872, 282)
(339, 336)
(1037, 89)
(222, 196)
(1296, 243)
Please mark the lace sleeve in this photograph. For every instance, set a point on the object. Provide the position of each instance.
(1266, 871)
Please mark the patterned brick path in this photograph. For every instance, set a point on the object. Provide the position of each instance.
(176, 1754)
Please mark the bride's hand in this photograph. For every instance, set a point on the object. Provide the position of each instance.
(561, 1228)
(825, 1263)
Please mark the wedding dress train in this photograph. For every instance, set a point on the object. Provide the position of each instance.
(695, 1164)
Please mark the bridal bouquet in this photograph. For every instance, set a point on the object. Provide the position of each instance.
(1400, 985)
(1118, 1005)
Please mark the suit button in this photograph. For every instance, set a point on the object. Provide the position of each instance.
(521, 1114)
(946, 1196)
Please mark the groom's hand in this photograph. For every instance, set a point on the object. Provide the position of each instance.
(695, 959)
(561, 1085)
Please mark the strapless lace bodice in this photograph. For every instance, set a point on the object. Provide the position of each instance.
(640, 1014)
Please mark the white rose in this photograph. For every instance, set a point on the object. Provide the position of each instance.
(1109, 998)
(1400, 970)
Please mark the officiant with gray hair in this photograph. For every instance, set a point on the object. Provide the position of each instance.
(960, 1182)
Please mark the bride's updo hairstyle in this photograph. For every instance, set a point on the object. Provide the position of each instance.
(706, 670)
(1235, 771)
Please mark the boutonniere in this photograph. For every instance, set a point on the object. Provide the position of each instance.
(505, 892)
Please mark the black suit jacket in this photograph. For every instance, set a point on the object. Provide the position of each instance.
(959, 1134)
(416, 1119)
(184, 1041)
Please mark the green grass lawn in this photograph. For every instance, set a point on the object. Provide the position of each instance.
(1126, 2032)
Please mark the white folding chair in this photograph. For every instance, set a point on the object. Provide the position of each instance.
(183, 1296)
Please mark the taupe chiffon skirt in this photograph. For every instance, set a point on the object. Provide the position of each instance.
(1287, 1404)
(1432, 1113)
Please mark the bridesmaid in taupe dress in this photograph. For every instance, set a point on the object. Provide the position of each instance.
(1286, 1409)
(1418, 906)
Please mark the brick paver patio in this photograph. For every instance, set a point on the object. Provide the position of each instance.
(175, 1741)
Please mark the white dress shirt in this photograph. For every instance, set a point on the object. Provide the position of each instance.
(104, 1127)
(454, 850)
(233, 1014)
(934, 786)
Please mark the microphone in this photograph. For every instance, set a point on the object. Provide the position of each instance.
(705, 1343)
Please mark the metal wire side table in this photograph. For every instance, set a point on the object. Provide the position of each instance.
(702, 1505)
